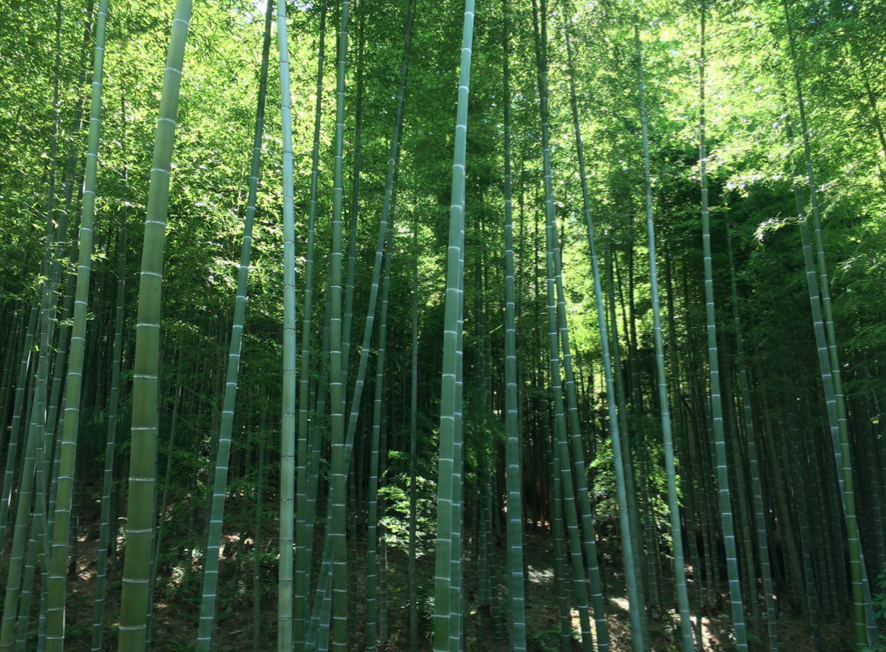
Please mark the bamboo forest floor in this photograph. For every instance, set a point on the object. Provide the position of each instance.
(175, 612)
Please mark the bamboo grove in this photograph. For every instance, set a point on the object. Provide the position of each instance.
(522, 325)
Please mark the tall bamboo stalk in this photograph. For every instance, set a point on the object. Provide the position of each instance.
(756, 484)
(716, 407)
(73, 385)
(516, 600)
(865, 629)
(140, 517)
(661, 379)
(337, 533)
(12, 448)
(446, 636)
(587, 521)
(556, 331)
(413, 451)
(287, 432)
(110, 445)
(301, 572)
(219, 491)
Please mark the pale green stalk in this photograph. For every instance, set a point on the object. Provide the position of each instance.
(54, 420)
(12, 447)
(211, 557)
(387, 212)
(301, 571)
(716, 406)
(865, 629)
(142, 475)
(555, 332)
(337, 533)
(587, 520)
(55, 620)
(661, 379)
(370, 313)
(287, 432)
(449, 473)
(33, 462)
(516, 600)
(24, 604)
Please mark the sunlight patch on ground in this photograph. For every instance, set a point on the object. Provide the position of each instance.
(576, 623)
(540, 576)
(621, 602)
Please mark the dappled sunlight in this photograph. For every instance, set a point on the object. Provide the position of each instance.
(621, 602)
(540, 576)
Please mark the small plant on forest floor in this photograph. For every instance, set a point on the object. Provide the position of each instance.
(878, 603)
(426, 614)
(548, 640)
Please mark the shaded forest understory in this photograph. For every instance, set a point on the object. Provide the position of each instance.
(177, 603)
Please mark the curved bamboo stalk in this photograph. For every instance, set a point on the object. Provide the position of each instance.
(587, 520)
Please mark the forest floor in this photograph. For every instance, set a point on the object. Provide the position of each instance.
(175, 613)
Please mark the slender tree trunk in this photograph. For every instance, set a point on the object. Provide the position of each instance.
(865, 629)
(716, 407)
(302, 573)
(447, 632)
(287, 433)
(73, 385)
(219, 491)
(516, 598)
(413, 450)
(756, 484)
(661, 379)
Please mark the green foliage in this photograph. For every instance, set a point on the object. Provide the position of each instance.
(396, 518)
(878, 602)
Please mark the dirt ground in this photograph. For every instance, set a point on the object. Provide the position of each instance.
(176, 611)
